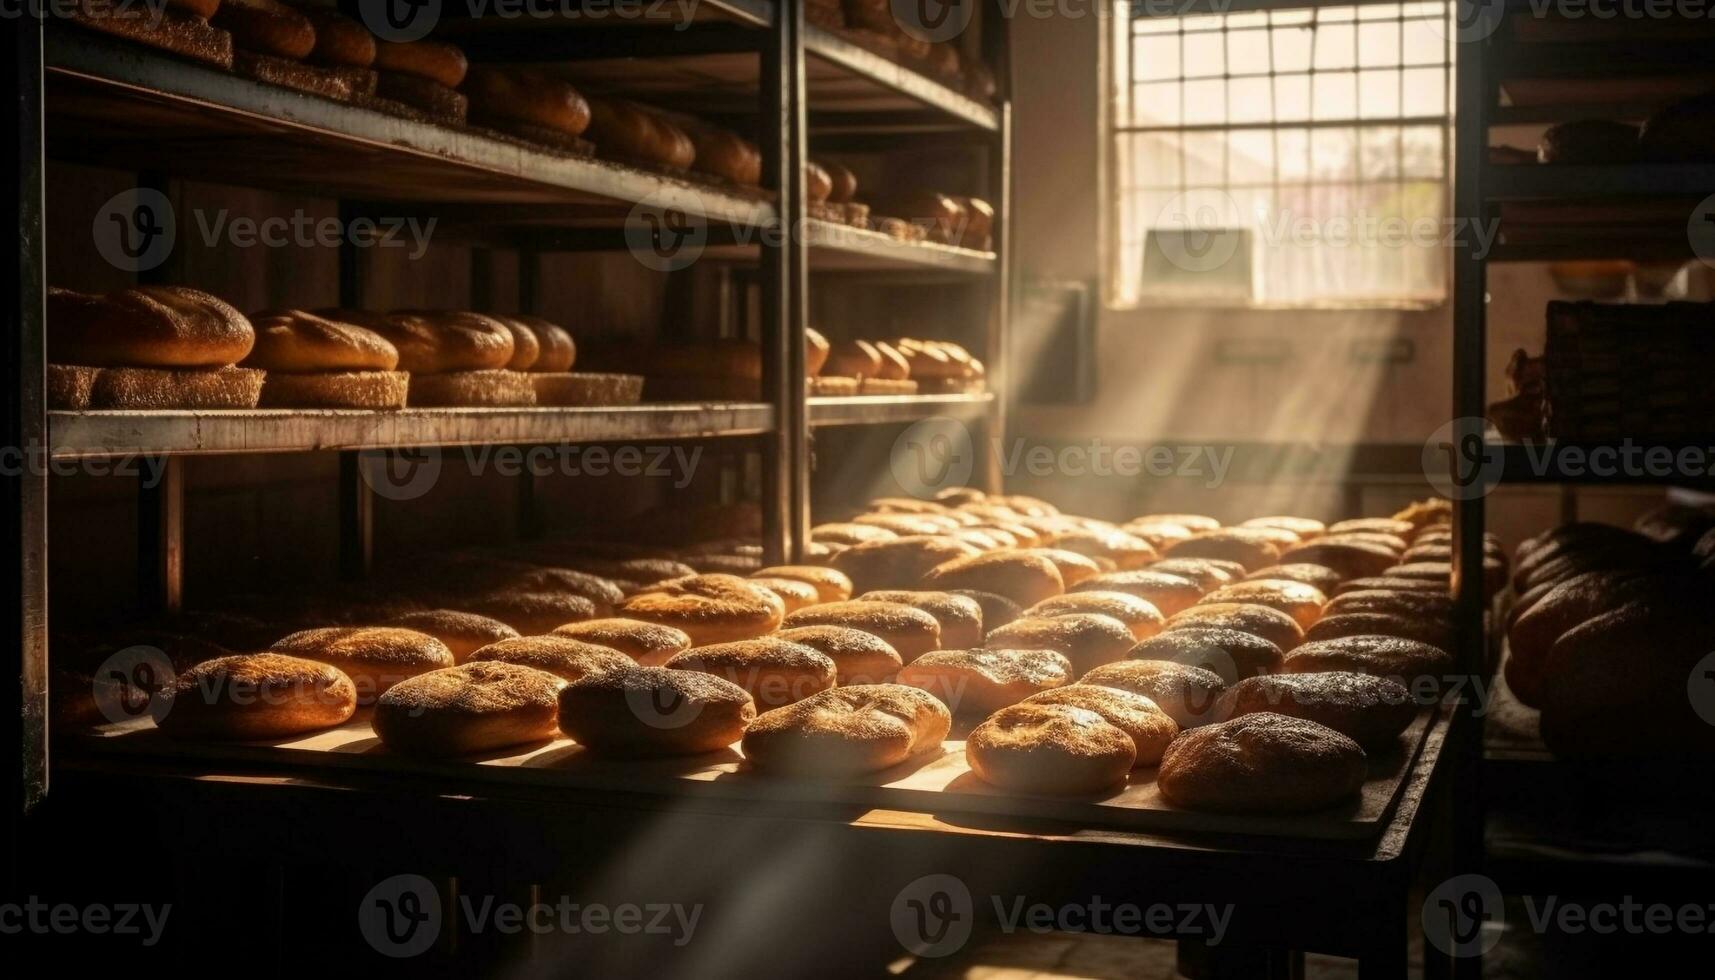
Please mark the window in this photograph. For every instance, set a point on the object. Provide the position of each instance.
(1280, 158)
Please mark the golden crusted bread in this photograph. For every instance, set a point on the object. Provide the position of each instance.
(1050, 749)
(1368, 710)
(1269, 623)
(651, 644)
(714, 608)
(961, 618)
(146, 326)
(909, 631)
(463, 632)
(1168, 593)
(859, 657)
(296, 342)
(257, 696)
(374, 657)
(1188, 694)
(1233, 654)
(847, 731)
(774, 671)
(1024, 578)
(565, 658)
(1088, 640)
(1151, 729)
(1139, 615)
(474, 707)
(831, 585)
(1261, 763)
(655, 711)
(981, 682)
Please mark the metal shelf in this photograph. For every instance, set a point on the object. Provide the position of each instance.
(76, 435)
(108, 100)
(1579, 182)
(845, 77)
(1603, 463)
(893, 409)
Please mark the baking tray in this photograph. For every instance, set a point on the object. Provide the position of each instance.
(934, 783)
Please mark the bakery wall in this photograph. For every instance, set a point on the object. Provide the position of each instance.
(1168, 375)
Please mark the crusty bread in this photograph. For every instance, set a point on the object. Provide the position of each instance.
(70, 386)
(435, 61)
(1151, 729)
(900, 563)
(1139, 615)
(792, 592)
(961, 619)
(1251, 547)
(830, 585)
(1302, 602)
(774, 671)
(1024, 578)
(1170, 594)
(847, 731)
(374, 657)
(1187, 693)
(145, 389)
(146, 326)
(463, 632)
(981, 682)
(526, 96)
(1265, 621)
(910, 631)
(1261, 763)
(257, 696)
(1404, 660)
(1051, 749)
(340, 40)
(376, 390)
(859, 657)
(1209, 573)
(1369, 710)
(1349, 557)
(267, 27)
(715, 608)
(296, 342)
(434, 342)
(654, 711)
(556, 349)
(1088, 640)
(1434, 631)
(1190, 522)
(1231, 653)
(489, 389)
(651, 644)
(1320, 577)
(474, 707)
(565, 658)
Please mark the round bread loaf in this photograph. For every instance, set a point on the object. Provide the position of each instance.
(1051, 749)
(257, 696)
(853, 359)
(793, 593)
(849, 533)
(1232, 654)
(709, 608)
(910, 631)
(859, 657)
(431, 342)
(471, 708)
(654, 711)
(1392, 543)
(1302, 602)
(845, 183)
(1074, 568)
(340, 41)
(961, 619)
(1170, 594)
(1433, 631)
(1208, 573)
(373, 390)
(374, 657)
(1250, 547)
(830, 585)
(651, 644)
(909, 525)
(1158, 535)
(565, 658)
(1371, 711)
(1086, 639)
(295, 342)
(436, 61)
(147, 326)
(266, 27)
(1124, 550)
(526, 349)
(1304, 527)
(1261, 763)
(556, 351)
(463, 632)
(980, 682)
(1389, 584)
(1139, 615)
(1186, 693)
(1191, 522)
(724, 154)
(1410, 662)
(527, 96)
(1269, 623)
(1350, 558)
(1150, 728)
(775, 672)
(533, 613)
(899, 564)
(1026, 579)
(1374, 525)
(998, 610)
(848, 731)
(1319, 577)
(1425, 604)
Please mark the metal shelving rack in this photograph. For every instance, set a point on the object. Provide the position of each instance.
(792, 77)
(1657, 200)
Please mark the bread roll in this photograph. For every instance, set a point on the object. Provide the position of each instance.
(471, 708)
(435, 342)
(556, 351)
(654, 711)
(295, 342)
(817, 183)
(1261, 763)
(830, 585)
(1371, 711)
(1087, 639)
(340, 41)
(565, 658)
(900, 563)
(1373, 525)
(1126, 551)
(1190, 522)
(725, 154)
(374, 657)
(533, 613)
(1187, 694)
(463, 632)
(1209, 573)
(1150, 728)
(1168, 593)
(1437, 633)
(859, 657)
(1269, 623)
(849, 731)
(147, 326)
(1319, 577)
(527, 96)
(980, 682)
(1050, 749)
(266, 26)
(709, 608)
(998, 610)
(853, 358)
(910, 631)
(651, 644)
(1410, 662)
(1250, 547)
(1301, 602)
(961, 619)
(1158, 534)
(1349, 558)
(1139, 615)
(1232, 654)
(1074, 569)
(525, 347)
(435, 61)
(257, 696)
(774, 671)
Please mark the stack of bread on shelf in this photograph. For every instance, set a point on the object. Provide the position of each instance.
(905, 366)
(1679, 132)
(173, 347)
(872, 24)
(1610, 635)
(1243, 668)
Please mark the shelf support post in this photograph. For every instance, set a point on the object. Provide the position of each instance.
(785, 288)
(161, 535)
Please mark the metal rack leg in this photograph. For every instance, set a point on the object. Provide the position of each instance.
(356, 519)
(785, 300)
(161, 537)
